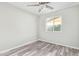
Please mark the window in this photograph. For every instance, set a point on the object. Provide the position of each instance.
(54, 24)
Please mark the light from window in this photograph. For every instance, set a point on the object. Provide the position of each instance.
(54, 24)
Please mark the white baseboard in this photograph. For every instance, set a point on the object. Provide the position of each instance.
(59, 44)
(33, 40)
(27, 42)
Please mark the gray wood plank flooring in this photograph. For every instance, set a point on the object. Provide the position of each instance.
(41, 48)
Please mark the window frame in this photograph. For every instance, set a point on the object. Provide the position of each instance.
(46, 27)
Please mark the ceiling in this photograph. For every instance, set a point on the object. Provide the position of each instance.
(34, 9)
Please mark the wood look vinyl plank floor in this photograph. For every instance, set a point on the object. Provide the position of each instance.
(41, 48)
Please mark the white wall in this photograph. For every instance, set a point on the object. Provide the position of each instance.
(16, 26)
(70, 28)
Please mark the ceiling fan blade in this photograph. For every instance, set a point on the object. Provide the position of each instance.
(49, 7)
(34, 5)
(44, 2)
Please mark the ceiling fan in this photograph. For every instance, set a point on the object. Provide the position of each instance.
(42, 5)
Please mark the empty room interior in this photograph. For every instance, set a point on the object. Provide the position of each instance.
(39, 29)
